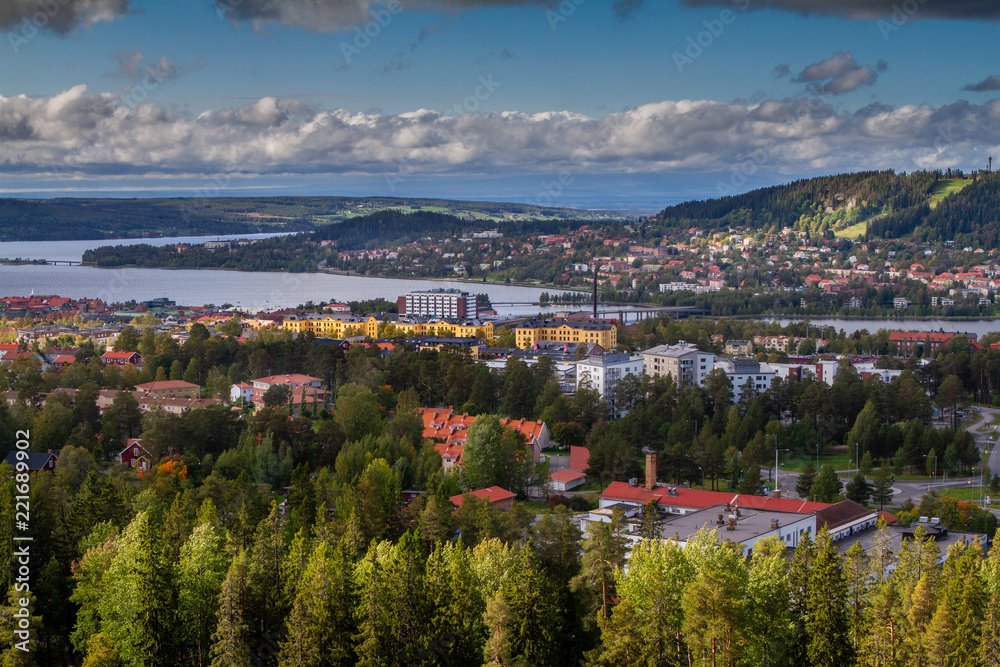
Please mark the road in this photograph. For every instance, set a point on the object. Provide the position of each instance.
(985, 434)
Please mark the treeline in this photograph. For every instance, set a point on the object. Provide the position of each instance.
(65, 219)
(807, 203)
(968, 217)
(162, 577)
(303, 252)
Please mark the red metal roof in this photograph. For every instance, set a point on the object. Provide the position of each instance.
(579, 458)
(492, 494)
(566, 475)
(700, 499)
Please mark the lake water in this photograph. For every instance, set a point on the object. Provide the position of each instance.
(978, 327)
(248, 290)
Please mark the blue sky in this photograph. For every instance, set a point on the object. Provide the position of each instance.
(155, 97)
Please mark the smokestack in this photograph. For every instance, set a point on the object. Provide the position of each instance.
(650, 468)
(595, 291)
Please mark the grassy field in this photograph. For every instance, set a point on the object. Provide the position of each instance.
(797, 462)
(946, 188)
(855, 231)
(971, 493)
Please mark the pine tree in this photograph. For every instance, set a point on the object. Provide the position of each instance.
(200, 573)
(393, 609)
(989, 649)
(859, 490)
(321, 624)
(264, 571)
(294, 564)
(649, 521)
(799, 574)
(803, 485)
(645, 628)
(770, 628)
(231, 638)
(882, 483)
(826, 486)
(523, 619)
(827, 627)
(557, 544)
(604, 552)
(715, 602)
(857, 578)
(136, 612)
(456, 632)
(99, 548)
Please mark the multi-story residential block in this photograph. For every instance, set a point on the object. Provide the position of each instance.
(684, 362)
(306, 391)
(332, 326)
(442, 327)
(908, 343)
(444, 303)
(603, 373)
(565, 331)
(747, 372)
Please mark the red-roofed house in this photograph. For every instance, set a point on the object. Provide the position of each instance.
(575, 474)
(135, 456)
(449, 431)
(565, 480)
(579, 458)
(121, 358)
(905, 343)
(496, 496)
(64, 360)
(306, 390)
(682, 500)
(170, 389)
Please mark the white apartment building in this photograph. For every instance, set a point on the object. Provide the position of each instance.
(684, 362)
(603, 374)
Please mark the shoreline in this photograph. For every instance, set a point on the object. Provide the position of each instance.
(345, 273)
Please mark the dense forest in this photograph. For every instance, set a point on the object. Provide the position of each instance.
(92, 218)
(71, 219)
(270, 539)
(814, 205)
(892, 206)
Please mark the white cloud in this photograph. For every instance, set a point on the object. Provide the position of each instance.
(95, 134)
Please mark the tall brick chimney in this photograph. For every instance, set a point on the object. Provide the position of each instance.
(650, 468)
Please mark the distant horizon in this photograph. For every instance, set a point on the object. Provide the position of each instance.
(554, 191)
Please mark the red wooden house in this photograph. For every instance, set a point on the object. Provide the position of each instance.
(135, 456)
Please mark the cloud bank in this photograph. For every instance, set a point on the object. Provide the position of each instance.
(332, 15)
(873, 9)
(76, 132)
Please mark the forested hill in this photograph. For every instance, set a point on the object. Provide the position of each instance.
(929, 206)
(93, 218)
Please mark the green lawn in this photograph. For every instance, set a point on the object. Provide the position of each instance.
(946, 188)
(971, 493)
(797, 462)
(854, 232)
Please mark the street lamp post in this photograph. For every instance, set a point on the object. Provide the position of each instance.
(776, 451)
